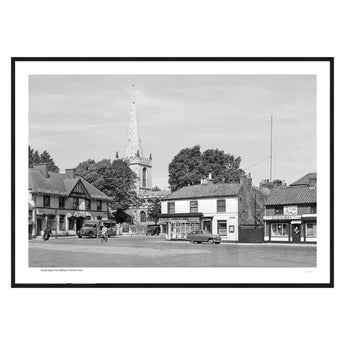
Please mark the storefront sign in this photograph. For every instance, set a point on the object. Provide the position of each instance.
(179, 220)
(290, 210)
(280, 217)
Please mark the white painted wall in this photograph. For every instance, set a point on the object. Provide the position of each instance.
(208, 206)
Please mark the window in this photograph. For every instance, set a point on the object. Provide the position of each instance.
(75, 205)
(144, 177)
(311, 230)
(279, 230)
(278, 211)
(71, 222)
(171, 207)
(61, 202)
(221, 227)
(231, 228)
(62, 222)
(221, 206)
(142, 217)
(313, 209)
(99, 205)
(88, 204)
(193, 207)
(46, 201)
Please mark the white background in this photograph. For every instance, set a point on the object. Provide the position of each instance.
(178, 28)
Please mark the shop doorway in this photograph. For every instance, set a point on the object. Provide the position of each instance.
(207, 226)
(79, 224)
(296, 233)
(38, 226)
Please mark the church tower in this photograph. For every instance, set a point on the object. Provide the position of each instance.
(140, 165)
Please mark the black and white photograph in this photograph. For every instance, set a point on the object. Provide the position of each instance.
(206, 167)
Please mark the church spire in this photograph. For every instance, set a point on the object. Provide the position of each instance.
(134, 146)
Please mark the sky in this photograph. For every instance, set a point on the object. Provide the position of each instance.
(80, 117)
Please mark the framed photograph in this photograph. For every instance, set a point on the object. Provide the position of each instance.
(172, 172)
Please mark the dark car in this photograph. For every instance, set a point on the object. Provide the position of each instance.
(153, 230)
(198, 236)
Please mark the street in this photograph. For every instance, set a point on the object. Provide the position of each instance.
(155, 251)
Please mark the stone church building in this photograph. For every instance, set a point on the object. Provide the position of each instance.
(141, 165)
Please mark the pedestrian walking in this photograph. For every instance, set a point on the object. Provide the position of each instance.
(104, 233)
(46, 233)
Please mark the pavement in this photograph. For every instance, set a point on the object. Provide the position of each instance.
(156, 251)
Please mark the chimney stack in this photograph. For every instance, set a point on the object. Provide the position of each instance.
(42, 167)
(70, 173)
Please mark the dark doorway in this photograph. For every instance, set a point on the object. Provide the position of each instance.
(296, 233)
(80, 221)
(207, 225)
(38, 227)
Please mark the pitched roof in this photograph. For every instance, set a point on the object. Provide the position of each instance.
(60, 184)
(305, 180)
(291, 195)
(154, 193)
(205, 190)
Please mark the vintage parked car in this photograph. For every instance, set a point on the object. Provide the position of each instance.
(153, 230)
(90, 228)
(111, 227)
(198, 236)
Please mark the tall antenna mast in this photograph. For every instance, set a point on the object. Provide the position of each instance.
(271, 149)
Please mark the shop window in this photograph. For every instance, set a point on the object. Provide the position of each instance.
(221, 206)
(61, 202)
(221, 226)
(75, 205)
(311, 230)
(46, 201)
(99, 205)
(193, 207)
(71, 224)
(142, 217)
(171, 207)
(279, 230)
(88, 204)
(144, 177)
(62, 222)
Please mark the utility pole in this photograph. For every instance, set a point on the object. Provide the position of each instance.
(271, 149)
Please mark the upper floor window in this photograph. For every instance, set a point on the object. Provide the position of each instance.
(61, 202)
(99, 205)
(46, 201)
(279, 211)
(144, 177)
(75, 205)
(193, 207)
(88, 204)
(221, 205)
(171, 207)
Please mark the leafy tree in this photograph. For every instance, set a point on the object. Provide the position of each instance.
(186, 168)
(154, 210)
(44, 157)
(115, 179)
(189, 166)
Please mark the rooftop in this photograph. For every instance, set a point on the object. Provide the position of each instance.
(292, 195)
(61, 184)
(205, 190)
(306, 180)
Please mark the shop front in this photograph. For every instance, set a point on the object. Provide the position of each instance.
(178, 226)
(293, 229)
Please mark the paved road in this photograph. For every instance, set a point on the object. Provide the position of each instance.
(155, 251)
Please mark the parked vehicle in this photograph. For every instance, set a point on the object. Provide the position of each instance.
(153, 230)
(111, 227)
(90, 228)
(198, 236)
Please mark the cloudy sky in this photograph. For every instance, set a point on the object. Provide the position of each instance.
(77, 117)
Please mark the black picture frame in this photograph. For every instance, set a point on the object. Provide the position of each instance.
(14, 284)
